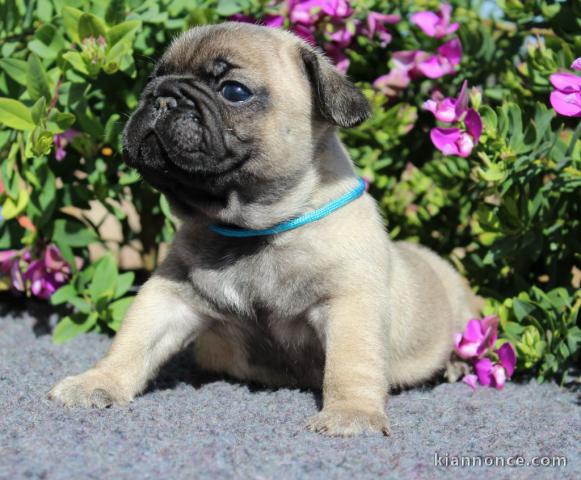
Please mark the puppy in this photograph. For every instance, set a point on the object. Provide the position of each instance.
(237, 127)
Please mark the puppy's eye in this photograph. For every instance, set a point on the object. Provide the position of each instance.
(235, 92)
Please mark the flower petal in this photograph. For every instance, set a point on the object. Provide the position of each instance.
(566, 82)
(7, 259)
(507, 355)
(427, 21)
(576, 65)
(470, 380)
(465, 144)
(451, 50)
(461, 104)
(473, 124)
(567, 104)
(273, 21)
(444, 139)
(483, 369)
(499, 376)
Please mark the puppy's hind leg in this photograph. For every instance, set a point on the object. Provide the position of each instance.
(158, 324)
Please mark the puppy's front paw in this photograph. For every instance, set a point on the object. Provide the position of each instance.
(348, 422)
(90, 389)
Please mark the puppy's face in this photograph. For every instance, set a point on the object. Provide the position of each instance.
(235, 108)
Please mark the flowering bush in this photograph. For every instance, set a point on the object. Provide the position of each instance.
(473, 148)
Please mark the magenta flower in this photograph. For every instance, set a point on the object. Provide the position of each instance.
(455, 140)
(61, 140)
(404, 70)
(306, 33)
(478, 337)
(10, 266)
(435, 25)
(310, 12)
(566, 98)
(576, 65)
(40, 277)
(342, 37)
(495, 374)
(376, 25)
(444, 62)
(475, 344)
(448, 110)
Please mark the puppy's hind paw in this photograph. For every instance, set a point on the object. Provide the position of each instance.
(92, 389)
(346, 423)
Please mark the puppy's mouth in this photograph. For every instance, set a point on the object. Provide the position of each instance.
(186, 187)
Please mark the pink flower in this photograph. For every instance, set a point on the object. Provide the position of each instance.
(376, 25)
(7, 258)
(435, 25)
(444, 62)
(495, 374)
(454, 141)
(342, 36)
(478, 337)
(470, 380)
(310, 12)
(448, 109)
(576, 65)
(306, 33)
(42, 276)
(273, 21)
(61, 140)
(566, 98)
(404, 70)
(10, 266)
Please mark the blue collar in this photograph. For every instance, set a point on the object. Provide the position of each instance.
(295, 222)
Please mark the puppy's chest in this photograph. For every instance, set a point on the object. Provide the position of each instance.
(269, 289)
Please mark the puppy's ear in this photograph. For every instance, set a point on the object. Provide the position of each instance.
(336, 98)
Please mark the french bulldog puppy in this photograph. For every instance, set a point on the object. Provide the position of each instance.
(237, 127)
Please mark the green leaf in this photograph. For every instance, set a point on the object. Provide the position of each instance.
(522, 309)
(77, 61)
(41, 142)
(63, 294)
(71, 17)
(105, 278)
(63, 120)
(14, 114)
(73, 233)
(127, 178)
(115, 55)
(73, 325)
(37, 79)
(124, 283)
(118, 310)
(112, 130)
(91, 26)
(124, 30)
(11, 208)
(15, 68)
(38, 111)
(80, 304)
(48, 42)
(115, 12)
(230, 7)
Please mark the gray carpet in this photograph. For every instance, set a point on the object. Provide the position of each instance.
(193, 426)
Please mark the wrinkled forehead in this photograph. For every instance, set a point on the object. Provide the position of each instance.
(212, 49)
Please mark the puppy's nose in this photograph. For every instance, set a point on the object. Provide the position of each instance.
(165, 103)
